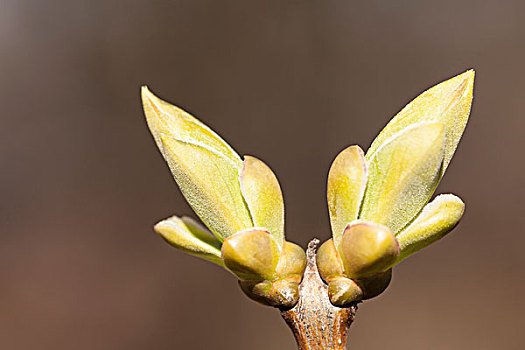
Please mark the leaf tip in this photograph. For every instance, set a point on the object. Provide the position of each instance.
(470, 73)
(146, 95)
(466, 84)
(162, 227)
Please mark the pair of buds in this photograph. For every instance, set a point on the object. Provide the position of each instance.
(378, 203)
(359, 267)
(267, 273)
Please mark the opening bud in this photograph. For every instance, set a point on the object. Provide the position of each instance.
(251, 255)
(367, 248)
(374, 285)
(282, 293)
(292, 261)
(328, 262)
(343, 291)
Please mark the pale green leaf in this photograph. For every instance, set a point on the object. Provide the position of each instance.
(346, 187)
(261, 191)
(448, 103)
(165, 118)
(201, 232)
(403, 174)
(210, 184)
(205, 167)
(437, 219)
(190, 237)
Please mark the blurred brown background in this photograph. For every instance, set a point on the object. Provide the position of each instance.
(292, 82)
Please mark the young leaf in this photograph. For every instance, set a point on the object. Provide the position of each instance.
(261, 191)
(403, 175)
(448, 103)
(165, 118)
(188, 236)
(205, 167)
(210, 185)
(201, 232)
(437, 219)
(346, 186)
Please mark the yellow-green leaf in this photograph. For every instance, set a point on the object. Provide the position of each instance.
(251, 255)
(261, 191)
(201, 232)
(204, 166)
(403, 174)
(188, 236)
(346, 186)
(210, 185)
(165, 118)
(437, 219)
(448, 103)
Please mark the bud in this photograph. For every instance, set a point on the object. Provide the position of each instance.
(374, 285)
(367, 248)
(292, 261)
(251, 255)
(282, 293)
(285, 292)
(270, 283)
(258, 290)
(328, 262)
(343, 291)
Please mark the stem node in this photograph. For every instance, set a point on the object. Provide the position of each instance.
(315, 323)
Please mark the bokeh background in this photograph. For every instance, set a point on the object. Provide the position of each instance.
(291, 82)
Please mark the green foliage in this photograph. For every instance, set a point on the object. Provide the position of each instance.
(403, 175)
(401, 170)
(437, 219)
(377, 202)
(345, 189)
(240, 201)
(262, 193)
(187, 235)
(203, 165)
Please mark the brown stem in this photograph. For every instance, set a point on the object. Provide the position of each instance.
(314, 321)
